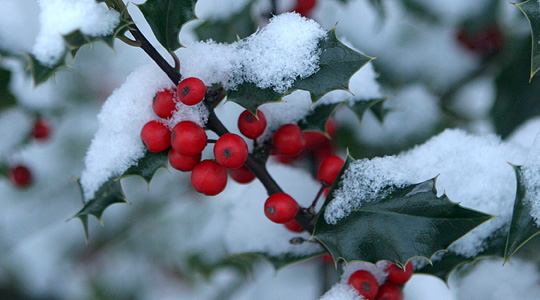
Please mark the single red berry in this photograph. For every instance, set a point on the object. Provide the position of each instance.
(209, 178)
(252, 126)
(280, 208)
(164, 104)
(20, 176)
(188, 138)
(41, 129)
(365, 283)
(389, 291)
(484, 41)
(183, 162)
(191, 91)
(294, 226)
(289, 140)
(327, 259)
(329, 169)
(331, 127)
(231, 151)
(398, 275)
(304, 7)
(156, 136)
(242, 175)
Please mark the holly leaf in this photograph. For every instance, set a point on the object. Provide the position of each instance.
(6, 97)
(532, 13)
(403, 223)
(450, 261)
(239, 25)
(166, 18)
(318, 116)
(337, 64)
(523, 226)
(40, 72)
(376, 105)
(111, 191)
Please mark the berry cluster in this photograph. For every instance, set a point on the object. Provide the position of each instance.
(367, 285)
(186, 141)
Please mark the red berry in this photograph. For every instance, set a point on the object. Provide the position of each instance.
(209, 178)
(484, 41)
(289, 140)
(41, 130)
(314, 140)
(231, 151)
(188, 138)
(20, 176)
(294, 226)
(389, 291)
(365, 283)
(397, 275)
(331, 127)
(164, 104)
(304, 7)
(183, 162)
(156, 136)
(323, 151)
(252, 126)
(191, 91)
(242, 175)
(280, 208)
(329, 169)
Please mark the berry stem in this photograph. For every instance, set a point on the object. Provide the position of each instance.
(311, 208)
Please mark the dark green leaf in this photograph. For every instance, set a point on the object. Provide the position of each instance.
(407, 222)
(532, 12)
(6, 98)
(111, 191)
(227, 31)
(359, 107)
(166, 18)
(41, 72)
(523, 226)
(250, 97)
(337, 64)
(317, 118)
(450, 261)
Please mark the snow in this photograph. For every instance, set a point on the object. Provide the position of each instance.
(491, 280)
(471, 170)
(18, 25)
(342, 291)
(531, 180)
(273, 57)
(117, 144)
(61, 17)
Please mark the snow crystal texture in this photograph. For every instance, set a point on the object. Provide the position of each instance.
(60, 17)
(531, 180)
(472, 170)
(274, 57)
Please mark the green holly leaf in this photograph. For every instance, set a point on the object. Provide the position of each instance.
(405, 222)
(250, 97)
(239, 25)
(318, 116)
(111, 191)
(166, 18)
(532, 13)
(337, 64)
(376, 105)
(40, 72)
(6, 97)
(523, 226)
(443, 267)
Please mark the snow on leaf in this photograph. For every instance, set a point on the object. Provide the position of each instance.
(398, 225)
(532, 12)
(523, 226)
(111, 192)
(337, 64)
(166, 18)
